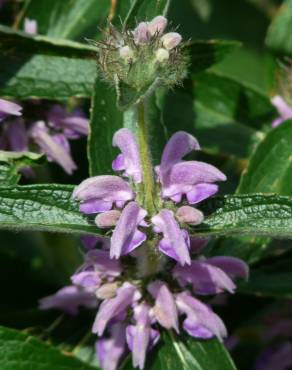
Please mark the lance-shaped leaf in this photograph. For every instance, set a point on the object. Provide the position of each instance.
(255, 214)
(36, 66)
(270, 166)
(42, 207)
(21, 351)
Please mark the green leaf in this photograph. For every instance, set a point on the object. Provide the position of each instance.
(255, 214)
(44, 68)
(10, 38)
(279, 37)
(218, 110)
(21, 351)
(44, 76)
(274, 280)
(270, 166)
(73, 19)
(191, 354)
(8, 175)
(206, 53)
(44, 208)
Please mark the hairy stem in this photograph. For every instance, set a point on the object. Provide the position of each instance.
(148, 179)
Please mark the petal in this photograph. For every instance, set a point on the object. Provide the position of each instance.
(94, 206)
(17, 135)
(106, 188)
(205, 278)
(7, 107)
(165, 310)
(68, 299)
(126, 237)
(201, 192)
(232, 266)
(199, 315)
(52, 148)
(173, 237)
(157, 25)
(113, 307)
(126, 142)
(180, 144)
(283, 108)
(107, 219)
(110, 350)
(100, 261)
(86, 279)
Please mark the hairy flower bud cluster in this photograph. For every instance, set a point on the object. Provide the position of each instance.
(156, 286)
(135, 61)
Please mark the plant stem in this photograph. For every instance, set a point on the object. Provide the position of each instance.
(146, 162)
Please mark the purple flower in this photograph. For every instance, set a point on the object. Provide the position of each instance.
(275, 358)
(284, 110)
(126, 236)
(110, 350)
(164, 310)
(55, 147)
(69, 299)
(9, 108)
(127, 294)
(14, 136)
(175, 242)
(101, 193)
(191, 178)
(73, 125)
(141, 336)
(211, 276)
(129, 160)
(201, 322)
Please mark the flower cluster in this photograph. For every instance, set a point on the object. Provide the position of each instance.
(139, 59)
(50, 136)
(148, 273)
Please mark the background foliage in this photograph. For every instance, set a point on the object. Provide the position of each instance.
(224, 102)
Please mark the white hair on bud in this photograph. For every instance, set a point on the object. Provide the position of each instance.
(162, 55)
(171, 40)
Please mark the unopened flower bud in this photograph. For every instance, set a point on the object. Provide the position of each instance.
(126, 53)
(189, 215)
(107, 219)
(157, 25)
(171, 40)
(107, 291)
(141, 34)
(162, 55)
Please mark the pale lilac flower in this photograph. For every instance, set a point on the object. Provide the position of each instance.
(126, 236)
(171, 40)
(9, 108)
(192, 178)
(164, 310)
(157, 25)
(129, 159)
(213, 275)
(73, 125)
(201, 321)
(141, 336)
(56, 147)
(101, 193)
(284, 110)
(141, 33)
(110, 350)
(126, 296)
(69, 299)
(30, 26)
(175, 242)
